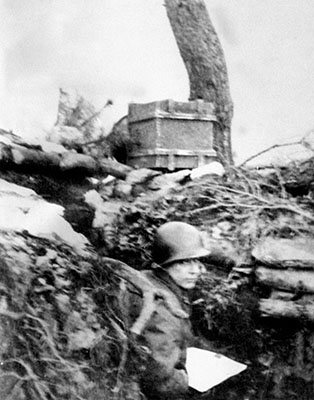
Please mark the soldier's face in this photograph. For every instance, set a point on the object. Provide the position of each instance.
(186, 273)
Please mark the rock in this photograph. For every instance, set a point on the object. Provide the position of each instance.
(212, 169)
(63, 302)
(135, 183)
(163, 185)
(224, 226)
(123, 190)
(105, 211)
(43, 261)
(169, 180)
(221, 230)
(82, 339)
(140, 176)
(109, 179)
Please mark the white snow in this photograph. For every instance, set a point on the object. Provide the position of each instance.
(213, 168)
(22, 209)
(52, 147)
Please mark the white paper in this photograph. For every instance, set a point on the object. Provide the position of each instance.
(207, 369)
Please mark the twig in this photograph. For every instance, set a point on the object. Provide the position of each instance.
(109, 103)
(48, 339)
(15, 375)
(207, 208)
(281, 182)
(124, 357)
(266, 206)
(268, 149)
(296, 211)
(46, 334)
(12, 314)
(33, 377)
(250, 182)
(224, 188)
(291, 209)
(74, 366)
(14, 391)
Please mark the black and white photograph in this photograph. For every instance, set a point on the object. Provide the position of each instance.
(157, 200)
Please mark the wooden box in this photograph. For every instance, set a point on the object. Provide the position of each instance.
(171, 135)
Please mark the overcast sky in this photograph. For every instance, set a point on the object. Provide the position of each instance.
(124, 50)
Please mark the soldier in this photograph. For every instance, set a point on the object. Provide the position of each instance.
(177, 250)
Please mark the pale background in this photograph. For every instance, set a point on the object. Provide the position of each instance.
(124, 50)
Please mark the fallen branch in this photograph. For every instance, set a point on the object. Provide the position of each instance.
(275, 146)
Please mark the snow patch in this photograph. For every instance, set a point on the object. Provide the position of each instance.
(22, 209)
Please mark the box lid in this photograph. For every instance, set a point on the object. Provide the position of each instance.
(196, 110)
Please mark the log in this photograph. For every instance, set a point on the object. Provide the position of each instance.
(71, 161)
(15, 156)
(286, 309)
(26, 157)
(151, 295)
(297, 252)
(281, 295)
(290, 280)
(114, 168)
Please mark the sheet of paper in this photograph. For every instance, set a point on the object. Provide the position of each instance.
(207, 369)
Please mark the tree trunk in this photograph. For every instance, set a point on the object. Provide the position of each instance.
(204, 60)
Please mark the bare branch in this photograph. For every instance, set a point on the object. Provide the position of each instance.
(275, 146)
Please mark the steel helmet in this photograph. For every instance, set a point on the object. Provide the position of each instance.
(176, 241)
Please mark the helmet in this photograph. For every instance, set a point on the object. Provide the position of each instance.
(176, 241)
